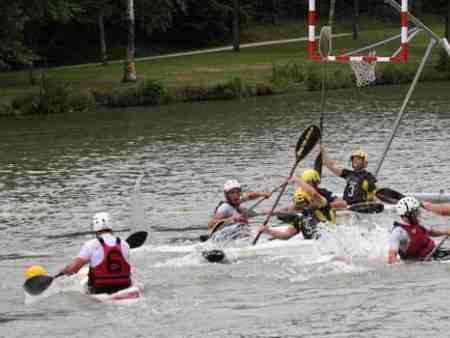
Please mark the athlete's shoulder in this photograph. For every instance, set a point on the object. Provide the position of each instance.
(347, 172)
(370, 176)
(224, 207)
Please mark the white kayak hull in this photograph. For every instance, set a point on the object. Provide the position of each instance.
(129, 295)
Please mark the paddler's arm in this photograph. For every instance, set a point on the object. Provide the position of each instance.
(440, 209)
(74, 267)
(316, 198)
(254, 195)
(392, 256)
(218, 218)
(266, 211)
(338, 204)
(434, 232)
(278, 234)
(329, 163)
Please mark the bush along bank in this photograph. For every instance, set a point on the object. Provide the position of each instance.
(58, 96)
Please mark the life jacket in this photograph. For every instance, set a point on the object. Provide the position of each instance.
(236, 208)
(304, 222)
(420, 243)
(327, 213)
(354, 191)
(113, 271)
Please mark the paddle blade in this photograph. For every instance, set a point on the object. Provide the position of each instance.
(318, 164)
(388, 195)
(37, 284)
(203, 238)
(137, 239)
(307, 141)
(213, 256)
(367, 207)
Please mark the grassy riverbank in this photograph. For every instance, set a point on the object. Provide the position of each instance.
(259, 70)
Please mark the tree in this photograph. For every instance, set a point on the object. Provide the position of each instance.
(355, 16)
(236, 32)
(101, 36)
(15, 17)
(331, 13)
(129, 73)
(447, 21)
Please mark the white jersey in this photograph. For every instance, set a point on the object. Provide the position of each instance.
(399, 239)
(92, 250)
(226, 209)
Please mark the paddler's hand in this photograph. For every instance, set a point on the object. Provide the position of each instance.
(427, 206)
(293, 180)
(262, 229)
(67, 271)
(239, 218)
(265, 194)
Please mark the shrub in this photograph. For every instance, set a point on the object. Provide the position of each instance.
(443, 63)
(5, 109)
(24, 103)
(228, 90)
(262, 89)
(81, 101)
(152, 92)
(313, 79)
(286, 72)
(123, 98)
(53, 97)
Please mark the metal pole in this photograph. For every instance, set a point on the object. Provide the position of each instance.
(418, 23)
(413, 32)
(405, 103)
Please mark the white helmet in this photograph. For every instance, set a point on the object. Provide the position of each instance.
(230, 185)
(408, 205)
(101, 221)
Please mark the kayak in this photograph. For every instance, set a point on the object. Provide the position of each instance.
(265, 246)
(129, 295)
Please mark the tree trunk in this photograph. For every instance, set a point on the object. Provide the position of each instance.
(129, 73)
(331, 13)
(236, 33)
(101, 31)
(355, 17)
(447, 22)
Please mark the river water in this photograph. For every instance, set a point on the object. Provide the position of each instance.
(162, 170)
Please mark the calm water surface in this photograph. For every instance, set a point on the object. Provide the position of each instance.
(162, 170)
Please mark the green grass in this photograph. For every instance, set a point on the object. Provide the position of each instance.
(252, 65)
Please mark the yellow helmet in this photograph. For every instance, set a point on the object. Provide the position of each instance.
(361, 154)
(311, 176)
(300, 196)
(35, 270)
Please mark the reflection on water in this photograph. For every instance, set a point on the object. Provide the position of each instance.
(162, 169)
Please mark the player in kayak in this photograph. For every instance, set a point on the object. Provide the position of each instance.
(108, 257)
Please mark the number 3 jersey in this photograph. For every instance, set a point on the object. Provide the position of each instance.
(360, 186)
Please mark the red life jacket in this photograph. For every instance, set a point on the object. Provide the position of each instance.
(420, 243)
(114, 270)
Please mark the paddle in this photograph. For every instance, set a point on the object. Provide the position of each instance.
(38, 284)
(213, 256)
(305, 144)
(435, 249)
(388, 195)
(136, 239)
(367, 207)
(204, 238)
